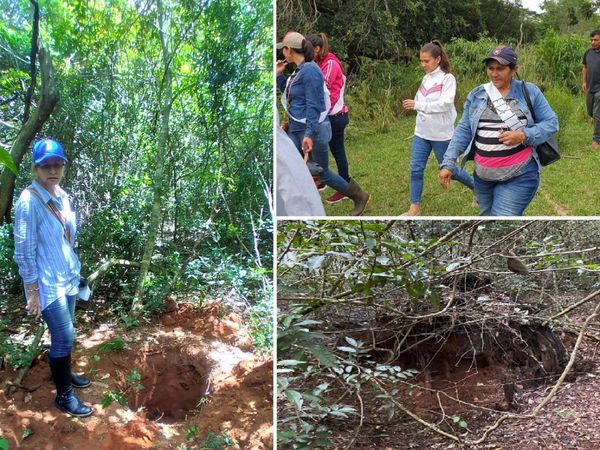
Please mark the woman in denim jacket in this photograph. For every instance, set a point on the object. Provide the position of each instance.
(305, 101)
(500, 136)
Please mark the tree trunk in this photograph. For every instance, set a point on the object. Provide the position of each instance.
(48, 99)
(159, 171)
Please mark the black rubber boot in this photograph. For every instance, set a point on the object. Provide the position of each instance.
(79, 381)
(66, 400)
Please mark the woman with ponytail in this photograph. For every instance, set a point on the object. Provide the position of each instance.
(306, 102)
(335, 80)
(434, 103)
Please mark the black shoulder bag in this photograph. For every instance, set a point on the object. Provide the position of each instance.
(548, 151)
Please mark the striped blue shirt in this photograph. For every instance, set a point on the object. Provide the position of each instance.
(42, 252)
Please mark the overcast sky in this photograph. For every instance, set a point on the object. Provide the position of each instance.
(534, 5)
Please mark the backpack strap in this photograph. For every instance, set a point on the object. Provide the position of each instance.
(55, 212)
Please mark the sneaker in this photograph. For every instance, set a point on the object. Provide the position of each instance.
(336, 198)
(320, 186)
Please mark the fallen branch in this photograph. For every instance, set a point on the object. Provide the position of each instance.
(107, 265)
(575, 305)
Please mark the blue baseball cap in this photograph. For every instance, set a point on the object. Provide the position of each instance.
(45, 149)
(504, 55)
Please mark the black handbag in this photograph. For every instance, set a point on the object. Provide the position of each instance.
(548, 152)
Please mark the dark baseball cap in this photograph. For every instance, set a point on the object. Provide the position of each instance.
(504, 55)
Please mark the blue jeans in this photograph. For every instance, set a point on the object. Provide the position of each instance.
(59, 316)
(320, 155)
(421, 149)
(336, 144)
(511, 197)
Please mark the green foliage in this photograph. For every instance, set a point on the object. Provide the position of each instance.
(301, 421)
(7, 161)
(458, 421)
(261, 324)
(3, 443)
(9, 268)
(112, 396)
(15, 352)
(133, 379)
(393, 30)
(217, 442)
(560, 57)
(192, 431)
(114, 345)
(218, 154)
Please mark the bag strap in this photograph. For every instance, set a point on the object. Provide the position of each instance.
(528, 100)
(502, 108)
(55, 212)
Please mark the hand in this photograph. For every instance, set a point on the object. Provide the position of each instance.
(584, 87)
(511, 138)
(408, 104)
(445, 178)
(307, 144)
(33, 304)
(281, 65)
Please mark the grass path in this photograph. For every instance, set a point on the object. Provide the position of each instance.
(379, 162)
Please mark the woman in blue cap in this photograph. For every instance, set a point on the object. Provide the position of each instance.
(498, 132)
(45, 230)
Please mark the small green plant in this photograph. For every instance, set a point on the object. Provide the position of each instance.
(114, 345)
(95, 358)
(3, 443)
(27, 432)
(129, 321)
(112, 396)
(133, 379)
(217, 442)
(461, 423)
(192, 431)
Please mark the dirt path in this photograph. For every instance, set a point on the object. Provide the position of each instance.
(560, 210)
(199, 375)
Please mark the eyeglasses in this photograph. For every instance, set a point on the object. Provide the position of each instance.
(49, 167)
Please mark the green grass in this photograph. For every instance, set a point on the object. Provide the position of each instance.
(379, 163)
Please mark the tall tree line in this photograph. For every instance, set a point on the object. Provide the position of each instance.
(164, 109)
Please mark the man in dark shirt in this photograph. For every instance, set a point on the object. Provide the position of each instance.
(591, 84)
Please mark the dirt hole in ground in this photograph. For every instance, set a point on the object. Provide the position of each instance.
(483, 365)
(169, 386)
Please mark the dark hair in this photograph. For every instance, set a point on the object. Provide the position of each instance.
(435, 49)
(307, 50)
(321, 41)
(595, 33)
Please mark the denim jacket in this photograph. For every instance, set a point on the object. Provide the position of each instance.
(307, 98)
(536, 134)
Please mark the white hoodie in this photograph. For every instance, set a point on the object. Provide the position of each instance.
(434, 103)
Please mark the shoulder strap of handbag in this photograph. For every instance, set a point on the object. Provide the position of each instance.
(55, 212)
(528, 100)
(504, 111)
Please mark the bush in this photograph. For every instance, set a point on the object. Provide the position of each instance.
(560, 59)
(9, 271)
